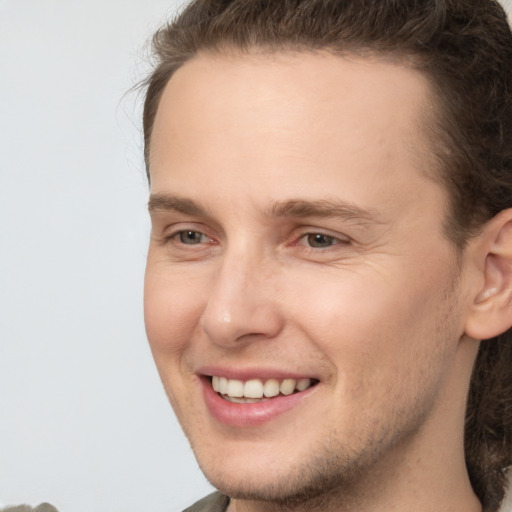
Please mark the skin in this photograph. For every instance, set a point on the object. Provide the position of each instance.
(376, 312)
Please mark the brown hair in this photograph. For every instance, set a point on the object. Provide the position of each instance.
(465, 48)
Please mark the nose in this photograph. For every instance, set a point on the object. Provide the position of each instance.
(243, 303)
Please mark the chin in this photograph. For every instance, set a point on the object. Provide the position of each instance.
(301, 470)
(284, 484)
(284, 478)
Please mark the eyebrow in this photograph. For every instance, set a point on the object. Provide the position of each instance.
(166, 203)
(322, 208)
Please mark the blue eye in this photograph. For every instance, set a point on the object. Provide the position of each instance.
(320, 241)
(192, 237)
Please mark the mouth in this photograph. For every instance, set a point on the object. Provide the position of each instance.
(258, 390)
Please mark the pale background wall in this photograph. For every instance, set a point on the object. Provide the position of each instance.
(84, 422)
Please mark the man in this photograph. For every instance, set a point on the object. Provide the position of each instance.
(331, 193)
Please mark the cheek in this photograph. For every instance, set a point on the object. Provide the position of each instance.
(378, 327)
(172, 308)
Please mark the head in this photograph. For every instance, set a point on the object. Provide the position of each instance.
(457, 55)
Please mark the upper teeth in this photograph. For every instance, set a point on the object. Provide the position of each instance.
(256, 388)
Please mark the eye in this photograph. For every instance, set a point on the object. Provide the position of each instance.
(319, 240)
(189, 237)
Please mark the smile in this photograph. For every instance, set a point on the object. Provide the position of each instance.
(258, 390)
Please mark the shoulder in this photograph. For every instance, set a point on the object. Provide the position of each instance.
(215, 502)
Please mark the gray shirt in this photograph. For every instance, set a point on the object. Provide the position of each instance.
(215, 502)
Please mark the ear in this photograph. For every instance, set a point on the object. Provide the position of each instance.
(491, 310)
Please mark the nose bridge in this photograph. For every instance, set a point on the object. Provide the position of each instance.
(241, 300)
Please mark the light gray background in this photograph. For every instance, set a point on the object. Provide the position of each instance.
(84, 422)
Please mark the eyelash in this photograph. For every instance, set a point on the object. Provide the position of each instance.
(181, 234)
(307, 239)
(315, 237)
(178, 238)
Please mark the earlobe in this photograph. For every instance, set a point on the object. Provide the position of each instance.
(491, 311)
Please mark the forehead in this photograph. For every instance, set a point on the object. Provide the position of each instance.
(293, 113)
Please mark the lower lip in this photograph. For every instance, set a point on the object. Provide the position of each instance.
(249, 414)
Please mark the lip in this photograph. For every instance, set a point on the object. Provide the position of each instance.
(250, 414)
(252, 373)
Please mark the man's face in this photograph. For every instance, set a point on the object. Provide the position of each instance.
(298, 238)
